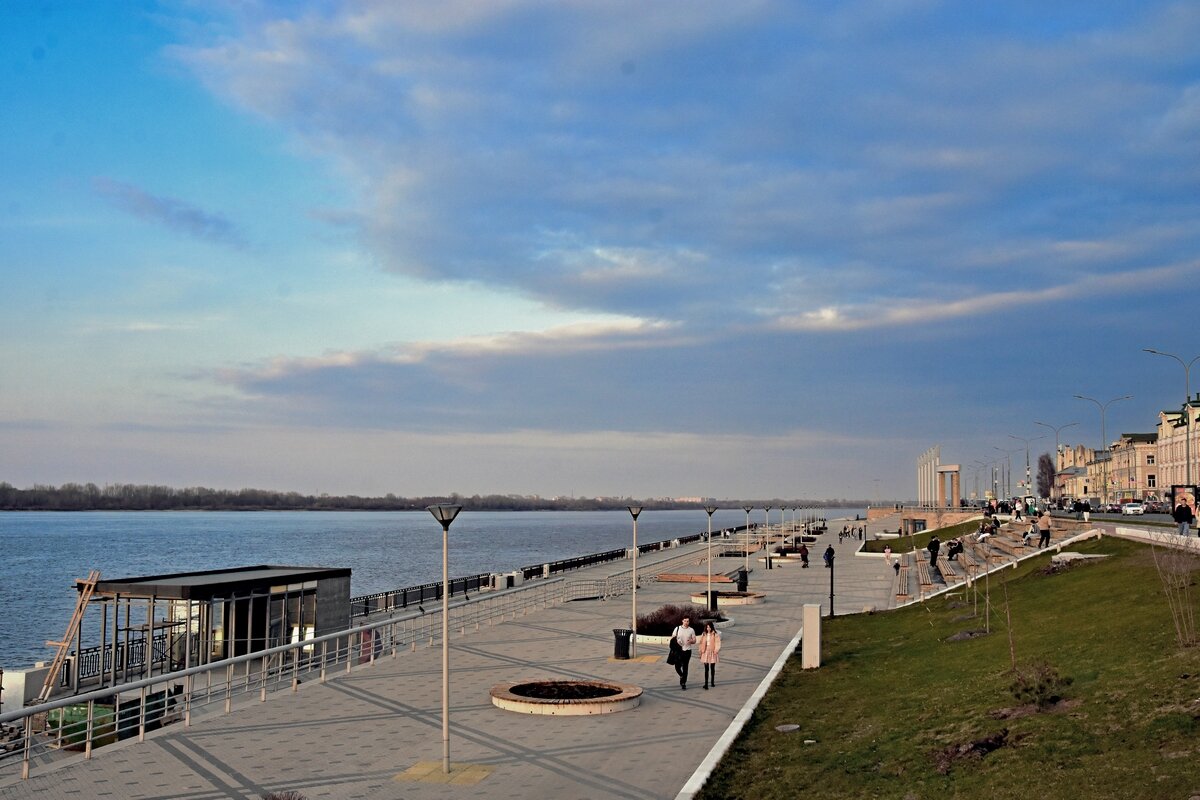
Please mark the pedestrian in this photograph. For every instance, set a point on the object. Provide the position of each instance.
(1028, 537)
(887, 554)
(686, 638)
(1184, 516)
(1018, 512)
(1043, 523)
(1087, 510)
(710, 647)
(803, 556)
(896, 567)
(935, 544)
(828, 557)
(1077, 507)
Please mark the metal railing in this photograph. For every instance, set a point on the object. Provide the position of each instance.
(49, 732)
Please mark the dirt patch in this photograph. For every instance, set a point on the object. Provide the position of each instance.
(944, 760)
(1058, 567)
(963, 636)
(1029, 709)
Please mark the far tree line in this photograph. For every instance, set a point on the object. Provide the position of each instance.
(142, 497)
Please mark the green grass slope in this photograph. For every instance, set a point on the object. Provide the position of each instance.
(893, 693)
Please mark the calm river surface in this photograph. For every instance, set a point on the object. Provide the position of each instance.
(42, 553)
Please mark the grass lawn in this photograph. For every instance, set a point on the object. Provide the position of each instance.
(892, 693)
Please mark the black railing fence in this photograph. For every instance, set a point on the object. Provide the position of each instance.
(428, 592)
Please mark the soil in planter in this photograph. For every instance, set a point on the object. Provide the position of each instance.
(564, 690)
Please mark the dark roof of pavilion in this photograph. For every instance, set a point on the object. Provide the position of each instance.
(214, 583)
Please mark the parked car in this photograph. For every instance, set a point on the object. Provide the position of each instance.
(1155, 507)
(1111, 508)
(1133, 508)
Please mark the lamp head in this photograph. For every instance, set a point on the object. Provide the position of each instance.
(710, 509)
(635, 510)
(747, 509)
(444, 513)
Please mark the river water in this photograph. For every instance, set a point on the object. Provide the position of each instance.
(42, 553)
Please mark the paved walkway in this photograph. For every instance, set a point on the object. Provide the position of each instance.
(376, 732)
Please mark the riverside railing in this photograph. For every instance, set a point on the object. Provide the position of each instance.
(413, 595)
(48, 733)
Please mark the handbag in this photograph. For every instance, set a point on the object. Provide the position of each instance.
(675, 649)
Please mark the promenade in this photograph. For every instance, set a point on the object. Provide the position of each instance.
(376, 732)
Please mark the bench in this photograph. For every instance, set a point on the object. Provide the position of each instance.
(923, 576)
(902, 582)
(950, 570)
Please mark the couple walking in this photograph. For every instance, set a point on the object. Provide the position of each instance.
(683, 639)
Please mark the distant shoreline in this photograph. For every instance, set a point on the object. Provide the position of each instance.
(140, 497)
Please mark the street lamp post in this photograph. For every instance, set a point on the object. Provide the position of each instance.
(1057, 430)
(831, 558)
(767, 548)
(1028, 482)
(445, 514)
(1103, 436)
(710, 510)
(746, 538)
(1187, 416)
(634, 511)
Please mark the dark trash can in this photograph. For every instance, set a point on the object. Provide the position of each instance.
(622, 637)
(712, 599)
(743, 580)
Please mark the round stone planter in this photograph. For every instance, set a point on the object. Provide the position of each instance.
(566, 698)
(734, 598)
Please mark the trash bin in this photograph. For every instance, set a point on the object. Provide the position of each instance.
(743, 580)
(622, 636)
(712, 599)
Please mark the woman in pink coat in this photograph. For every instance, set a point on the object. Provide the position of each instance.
(710, 645)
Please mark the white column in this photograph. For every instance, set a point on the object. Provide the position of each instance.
(810, 650)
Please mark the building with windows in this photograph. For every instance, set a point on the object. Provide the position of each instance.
(1134, 467)
(1173, 445)
(1071, 472)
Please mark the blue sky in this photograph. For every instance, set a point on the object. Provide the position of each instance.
(735, 249)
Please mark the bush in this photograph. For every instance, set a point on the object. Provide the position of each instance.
(1039, 684)
(663, 620)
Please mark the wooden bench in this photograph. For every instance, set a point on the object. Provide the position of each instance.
(902, 582)
(923, 576)
(950, 570)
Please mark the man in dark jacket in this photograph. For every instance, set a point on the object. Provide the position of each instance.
(1184, 516)
(935, 544)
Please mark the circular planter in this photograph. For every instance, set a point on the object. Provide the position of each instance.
(734, 598)
(566, 698)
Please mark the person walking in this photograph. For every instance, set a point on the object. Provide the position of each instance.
(887, 554)
(828, 556)
(1044, 523)
(803, 556)
(1184, 517)
(935, 544)
(710, 647)
(685, 637)
(1087, 510)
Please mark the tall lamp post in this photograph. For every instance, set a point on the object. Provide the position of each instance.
(634, 511)
(709, 510)
(1187, 415)
(767, 547)
(445, 514)
(746, 538)
(1028, 482)
(831, 559)
(1103, 435)
(1057, 431)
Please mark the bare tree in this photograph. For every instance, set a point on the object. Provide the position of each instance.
(1045, 474)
